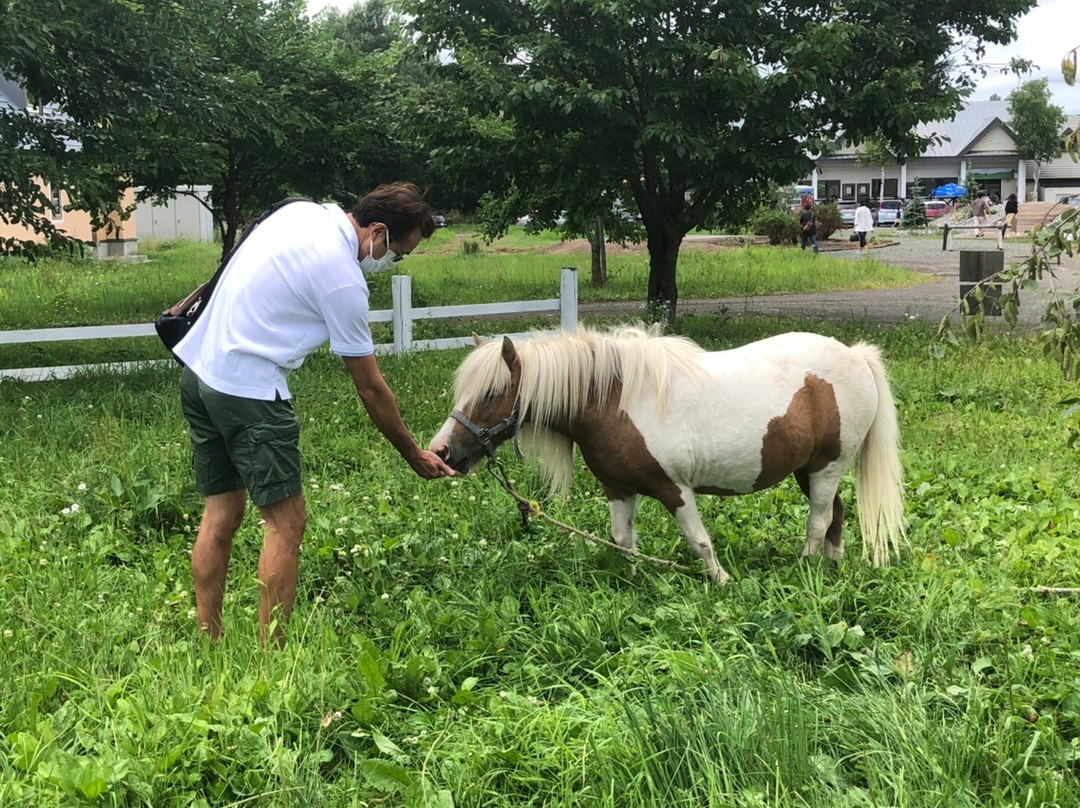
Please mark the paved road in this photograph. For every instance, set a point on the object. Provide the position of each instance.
(928, 301)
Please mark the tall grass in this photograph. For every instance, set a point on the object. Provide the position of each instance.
(439, 655)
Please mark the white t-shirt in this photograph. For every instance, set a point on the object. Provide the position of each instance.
(294, 283)
(864, 220)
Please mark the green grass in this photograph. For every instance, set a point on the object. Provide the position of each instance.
(440, 656)
(66, 292)
(63, 292)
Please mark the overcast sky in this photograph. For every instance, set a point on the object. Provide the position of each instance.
(1044, 36)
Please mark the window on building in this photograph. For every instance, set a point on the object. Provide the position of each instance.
(828, 189)
(57, 204)
(891, 187)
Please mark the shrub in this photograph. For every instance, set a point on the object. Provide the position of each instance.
(829, 220)
(781, 226)
(470, 247)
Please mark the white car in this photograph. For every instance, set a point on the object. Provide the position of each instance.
(890, 212)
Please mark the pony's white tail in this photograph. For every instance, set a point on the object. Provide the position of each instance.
(879, 479)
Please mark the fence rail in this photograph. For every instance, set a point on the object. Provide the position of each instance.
(402, 315)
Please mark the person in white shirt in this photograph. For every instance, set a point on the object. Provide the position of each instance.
(864, 223)
(294, 284)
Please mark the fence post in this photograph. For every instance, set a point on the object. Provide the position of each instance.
(401, 288)
(568, 294)
(945, 237)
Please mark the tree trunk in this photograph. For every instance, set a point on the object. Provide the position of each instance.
(599, 254)
(663, 261)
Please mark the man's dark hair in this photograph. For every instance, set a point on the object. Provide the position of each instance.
(398, 205)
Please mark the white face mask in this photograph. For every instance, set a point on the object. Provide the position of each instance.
(372, 265)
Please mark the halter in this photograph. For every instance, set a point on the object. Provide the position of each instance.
(486, 437)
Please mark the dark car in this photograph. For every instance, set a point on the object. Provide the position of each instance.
(440, 220)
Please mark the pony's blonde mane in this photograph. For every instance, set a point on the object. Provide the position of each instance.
(561, 374)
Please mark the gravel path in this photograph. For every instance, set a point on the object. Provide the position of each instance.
(929, 301)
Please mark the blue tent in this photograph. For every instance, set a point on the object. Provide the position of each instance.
(949, 189)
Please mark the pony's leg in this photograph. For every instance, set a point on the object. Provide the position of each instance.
(693, 531)
(826, 521)
(623, 509)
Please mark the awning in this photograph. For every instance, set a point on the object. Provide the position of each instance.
(993, 175)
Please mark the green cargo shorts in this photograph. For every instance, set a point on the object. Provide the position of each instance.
(241, 443)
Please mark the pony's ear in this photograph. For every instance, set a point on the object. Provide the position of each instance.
(510, 356)
(477, 339)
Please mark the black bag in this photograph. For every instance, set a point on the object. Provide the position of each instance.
(853, 237)
(174, 323)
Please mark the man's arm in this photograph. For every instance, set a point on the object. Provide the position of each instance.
(381, 406)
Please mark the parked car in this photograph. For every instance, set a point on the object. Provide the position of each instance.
(439, 219)
(890, 212)
(935, 208)
(524, 220)
(1071, 200)
(847, 212)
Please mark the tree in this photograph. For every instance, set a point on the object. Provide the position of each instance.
(875, 152)
(693, 108)
(1036, 124)
(94, 68)
(244, 95)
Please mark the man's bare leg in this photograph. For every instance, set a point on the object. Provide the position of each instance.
(221, 519)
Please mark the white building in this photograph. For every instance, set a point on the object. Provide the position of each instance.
(976, 143)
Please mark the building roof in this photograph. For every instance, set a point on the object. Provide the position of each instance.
(964, 128)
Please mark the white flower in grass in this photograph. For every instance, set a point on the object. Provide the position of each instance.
(192, 614)
(343, 520)
(385, 596)
(355, 549)
(314, 486)
(472, 498)
(336, 487)
(81, 487)
(65, 511)
(454, 483)
(339, 531)
(454, 536)
(416, 498)
(432, 690)
(74, 507)
(483, 543)
(43, 562)
(1028, 651)
(8, 633)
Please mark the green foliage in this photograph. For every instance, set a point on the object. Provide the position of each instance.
(915, 207)
(829, 220)
(780, 225)
(670, 106)
(1036, 123)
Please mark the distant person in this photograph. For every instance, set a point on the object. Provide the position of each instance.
(864, 223)
(296, 283)
(980, 209)
(1012, 208)
(808, 224)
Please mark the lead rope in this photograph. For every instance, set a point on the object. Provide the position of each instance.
(531, 508)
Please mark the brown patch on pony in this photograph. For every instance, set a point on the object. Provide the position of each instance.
(807, 436)
(615, 452)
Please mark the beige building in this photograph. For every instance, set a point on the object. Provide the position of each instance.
(976, 143)
(119, 239)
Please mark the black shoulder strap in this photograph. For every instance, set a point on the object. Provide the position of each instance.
(262, 217)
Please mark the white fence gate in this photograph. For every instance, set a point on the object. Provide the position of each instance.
(401, 316)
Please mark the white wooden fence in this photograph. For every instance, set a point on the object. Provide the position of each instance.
(401, 316)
